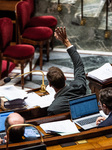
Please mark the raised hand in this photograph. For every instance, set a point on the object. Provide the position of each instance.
(60, 34)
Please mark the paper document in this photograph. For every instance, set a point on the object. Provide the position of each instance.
(63, 127)
(102, 74)
(35, 100)
(11, 92)
(32, 99)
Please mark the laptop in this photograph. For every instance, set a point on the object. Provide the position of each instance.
(3, 116)
(84, 111)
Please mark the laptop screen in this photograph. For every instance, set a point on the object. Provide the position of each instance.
(3, 116)
(83, 106)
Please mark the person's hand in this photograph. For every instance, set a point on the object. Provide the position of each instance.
(1, 141)
(5, 137)
(60, 34)
(99, 120)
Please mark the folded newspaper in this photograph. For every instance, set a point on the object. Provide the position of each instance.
(102, 74)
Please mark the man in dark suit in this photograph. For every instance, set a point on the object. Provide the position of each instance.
(56, 78)
(105, 97)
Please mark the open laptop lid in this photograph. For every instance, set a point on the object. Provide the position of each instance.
(83, 106)
(3, 116)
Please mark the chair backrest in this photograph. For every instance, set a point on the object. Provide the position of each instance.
(31, 3)
(22, 15)
(6, 32)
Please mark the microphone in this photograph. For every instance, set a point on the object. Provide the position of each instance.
(8, 79)
(43, 87)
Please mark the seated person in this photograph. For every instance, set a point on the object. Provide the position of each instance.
(105, 99)
(16, 133)
(19, 133)
(56, 78)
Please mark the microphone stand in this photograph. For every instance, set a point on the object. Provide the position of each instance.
(83, 20)
(107, 32)
(59, 8)
(43, 87)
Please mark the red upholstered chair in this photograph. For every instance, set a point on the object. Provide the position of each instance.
(32, 35)
(18, 54)
(35, 21)
(48, 21)
(4, 68)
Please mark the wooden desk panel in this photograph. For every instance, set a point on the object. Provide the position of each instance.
(94, 138)
(106, 143)
(100, 142)
(8, 5)
(96, 86)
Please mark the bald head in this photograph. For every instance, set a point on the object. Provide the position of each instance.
(15, 118)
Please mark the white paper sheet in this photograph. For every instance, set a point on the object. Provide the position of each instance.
(11, 92)
(35, 100)
(63, 127)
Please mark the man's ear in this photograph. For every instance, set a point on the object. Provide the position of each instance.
(65, 77)
(104, 106)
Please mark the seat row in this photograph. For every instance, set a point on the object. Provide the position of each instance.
(31, 31)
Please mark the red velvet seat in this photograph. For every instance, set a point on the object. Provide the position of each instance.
(18, 54)
(32, 35)
(19, 51)
(47, 21)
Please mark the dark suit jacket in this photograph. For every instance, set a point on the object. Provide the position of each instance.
(76, 88)
(107, 122)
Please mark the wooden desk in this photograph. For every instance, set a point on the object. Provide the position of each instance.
(99, 143)
(92, 139)
(96, 86)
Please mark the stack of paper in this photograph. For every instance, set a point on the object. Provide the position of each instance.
(11, 92)
(63, 127)
(102, 74)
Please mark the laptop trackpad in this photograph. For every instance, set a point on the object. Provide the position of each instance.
(89, 126)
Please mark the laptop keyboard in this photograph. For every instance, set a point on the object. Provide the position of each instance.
(88, 120)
